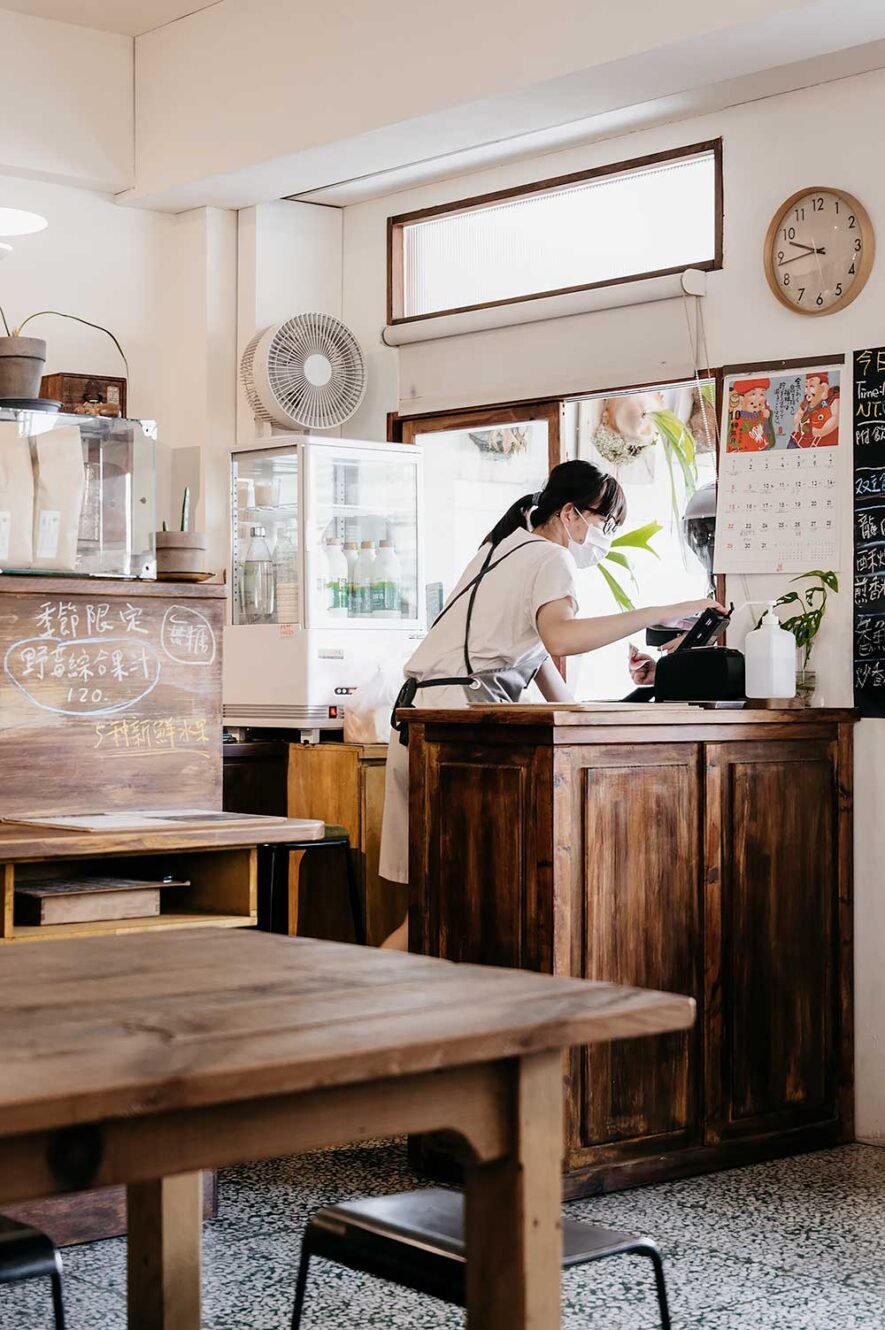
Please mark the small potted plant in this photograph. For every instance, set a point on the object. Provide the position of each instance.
(22, 359)
(804, 624)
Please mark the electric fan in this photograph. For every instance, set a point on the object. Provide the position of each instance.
(308, 372)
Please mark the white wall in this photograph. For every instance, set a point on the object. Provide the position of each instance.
(103, 263)
(771, 148)
(66, 103)
(290, 262)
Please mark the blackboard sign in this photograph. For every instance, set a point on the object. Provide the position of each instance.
(110, 695)
(869, 531)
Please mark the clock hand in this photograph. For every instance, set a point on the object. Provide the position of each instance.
(796, 258)
(796, 245)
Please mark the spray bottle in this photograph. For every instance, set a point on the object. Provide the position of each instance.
(770, 652)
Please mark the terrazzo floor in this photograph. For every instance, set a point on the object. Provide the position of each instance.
(798, 1243)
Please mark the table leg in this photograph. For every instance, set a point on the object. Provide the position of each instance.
(514, 1211)
(164, 1248)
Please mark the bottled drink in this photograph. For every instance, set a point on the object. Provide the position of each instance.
(365, 567)
(351, 554)
(386, 583)
(285, 561)
(336, 580)
(257, 586)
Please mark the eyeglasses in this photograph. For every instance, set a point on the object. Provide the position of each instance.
(609, 526)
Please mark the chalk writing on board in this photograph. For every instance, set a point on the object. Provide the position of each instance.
(187, 637)
(63, 619)
(869, 531)
(151, 736)
(87, 676)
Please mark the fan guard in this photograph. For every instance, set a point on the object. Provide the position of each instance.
(308, 372)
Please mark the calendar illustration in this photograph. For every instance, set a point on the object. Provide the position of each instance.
(777, 501)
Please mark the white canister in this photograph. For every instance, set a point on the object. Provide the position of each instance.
(770, 654)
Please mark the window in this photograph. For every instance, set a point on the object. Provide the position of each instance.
(619, 223)
(599, 426)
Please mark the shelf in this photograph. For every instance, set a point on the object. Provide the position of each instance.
(104, 928)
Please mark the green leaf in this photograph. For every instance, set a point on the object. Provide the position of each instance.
(708, 392)
(639, 538)
(614, 556)
(622, 600)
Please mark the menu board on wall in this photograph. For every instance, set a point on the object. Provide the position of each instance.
(777, 504)
(110, 696)
(869, 531)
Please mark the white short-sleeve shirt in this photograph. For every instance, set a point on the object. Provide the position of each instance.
(503, 626)
(503, 633)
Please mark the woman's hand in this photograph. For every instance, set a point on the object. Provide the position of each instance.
(641, 667)
(688, 609)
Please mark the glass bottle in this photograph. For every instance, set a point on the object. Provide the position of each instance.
(286, 587)
(257, 586)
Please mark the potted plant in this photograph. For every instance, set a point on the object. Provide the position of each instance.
(805, 623)
(22, 359)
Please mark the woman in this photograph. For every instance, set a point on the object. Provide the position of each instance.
(513, 608)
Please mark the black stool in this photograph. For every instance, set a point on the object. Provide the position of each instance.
(27, 1254)
(274, 912)
(416, 1239)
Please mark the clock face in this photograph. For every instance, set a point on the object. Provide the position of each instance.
(819, 251)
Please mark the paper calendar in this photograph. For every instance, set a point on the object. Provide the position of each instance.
(777, 505)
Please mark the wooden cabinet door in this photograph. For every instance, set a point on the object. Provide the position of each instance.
(772, 901)
(637, 816)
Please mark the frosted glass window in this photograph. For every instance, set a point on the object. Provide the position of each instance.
(596, 230)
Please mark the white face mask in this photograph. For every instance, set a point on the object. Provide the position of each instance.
(594, 547)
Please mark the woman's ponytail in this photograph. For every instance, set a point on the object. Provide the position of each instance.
(577, 482)
(516, 518)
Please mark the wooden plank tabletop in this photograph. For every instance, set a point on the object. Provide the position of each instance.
(115, 1027)
(19, 842)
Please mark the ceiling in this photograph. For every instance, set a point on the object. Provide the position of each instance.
(130, 17)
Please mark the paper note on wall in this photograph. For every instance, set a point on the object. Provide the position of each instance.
(778, 501)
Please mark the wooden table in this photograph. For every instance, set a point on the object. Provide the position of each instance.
(145, 1058)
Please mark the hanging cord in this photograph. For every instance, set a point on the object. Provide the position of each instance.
(697, 341)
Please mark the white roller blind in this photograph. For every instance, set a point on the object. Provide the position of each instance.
(637, 221)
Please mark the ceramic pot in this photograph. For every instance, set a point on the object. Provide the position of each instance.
(22, 361)
(180, 552)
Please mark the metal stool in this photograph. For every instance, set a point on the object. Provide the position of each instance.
(26, 1253)
(416, 1239)
(278, 897)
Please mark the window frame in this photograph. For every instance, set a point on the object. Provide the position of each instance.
(396, 225)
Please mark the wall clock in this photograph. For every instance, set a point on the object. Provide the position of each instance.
(819, 251)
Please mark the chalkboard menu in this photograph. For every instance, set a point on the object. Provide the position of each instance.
(110, 695)
(869, 531)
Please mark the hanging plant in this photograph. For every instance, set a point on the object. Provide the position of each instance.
(678, 444)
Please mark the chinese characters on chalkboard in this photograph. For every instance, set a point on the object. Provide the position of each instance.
(869, 531)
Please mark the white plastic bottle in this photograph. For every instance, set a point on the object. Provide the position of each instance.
(386, 583)
(351, 554)
(363, 578)
(336, 580)
(770, 654)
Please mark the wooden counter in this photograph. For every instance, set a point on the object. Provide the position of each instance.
(700, 852)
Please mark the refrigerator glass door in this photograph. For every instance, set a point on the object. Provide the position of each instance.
(265, 508)
(361, 539)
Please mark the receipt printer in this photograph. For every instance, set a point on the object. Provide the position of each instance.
(699, 672)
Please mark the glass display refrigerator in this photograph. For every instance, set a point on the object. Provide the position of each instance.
(326, 576)
(77, 495)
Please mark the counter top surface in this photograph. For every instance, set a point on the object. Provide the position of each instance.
(556, 715)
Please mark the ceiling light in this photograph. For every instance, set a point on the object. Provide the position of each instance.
(17, 222)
